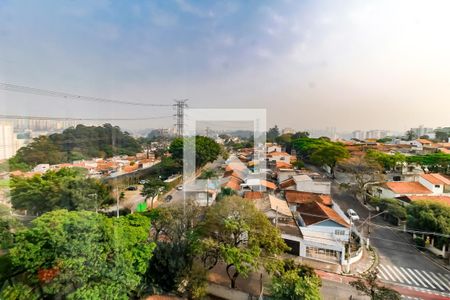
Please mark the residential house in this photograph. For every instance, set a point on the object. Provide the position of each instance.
(304, 183)
(427, 185)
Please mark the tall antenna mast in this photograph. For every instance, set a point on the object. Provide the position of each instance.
(179, 106)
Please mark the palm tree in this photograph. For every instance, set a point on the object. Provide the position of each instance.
(152, 188)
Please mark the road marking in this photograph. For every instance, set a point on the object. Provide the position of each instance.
(382, 275)
(411, 271)
(432, 278)
(421, 276)
(388, 273)
(410, 277)
(395, 274)
(445, 280)
(402, 274)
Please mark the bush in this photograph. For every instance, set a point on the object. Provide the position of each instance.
(419, 242)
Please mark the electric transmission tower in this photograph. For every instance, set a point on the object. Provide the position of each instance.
(179, 106)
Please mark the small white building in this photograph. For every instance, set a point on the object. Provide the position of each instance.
(304, 183)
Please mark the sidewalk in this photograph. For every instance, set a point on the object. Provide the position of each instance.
(367, 262)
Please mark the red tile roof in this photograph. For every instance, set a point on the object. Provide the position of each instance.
(304, 197)
(253, 195)
(233, 183)
(441, 199)
(435, 178)
(276, 153)
(403, 187)
(287, 183)
(268, 184)
(315, 212)
(283, 165)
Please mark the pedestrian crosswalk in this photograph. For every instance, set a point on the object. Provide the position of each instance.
(414, 277)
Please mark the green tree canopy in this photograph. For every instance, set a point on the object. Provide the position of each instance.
(175, 232)
(66, 188)
(295, 282)
(152, 188)
(83, 255)
(429, 216)
(76, 143)
(272, 134)
(206, 149)
(241, 236)
(388, 161)
(320, 151)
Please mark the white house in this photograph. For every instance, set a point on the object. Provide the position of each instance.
(304, 183)
(428, 184)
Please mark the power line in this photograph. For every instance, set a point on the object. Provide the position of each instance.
(42, 92)
(14, 117)
(411, 231)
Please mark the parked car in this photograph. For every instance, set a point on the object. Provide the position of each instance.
(179, 188)
(131, 188)
(168, 198)
(352, 215)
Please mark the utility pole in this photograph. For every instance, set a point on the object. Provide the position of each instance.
(207, 131)
(179, 106)
(117, 201)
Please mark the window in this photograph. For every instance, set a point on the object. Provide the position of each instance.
(339, 232)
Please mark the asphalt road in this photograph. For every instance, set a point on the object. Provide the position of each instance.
(400, 262)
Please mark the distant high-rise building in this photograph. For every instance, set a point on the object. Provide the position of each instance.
(8, 141)
(359, 135)
(421, 130)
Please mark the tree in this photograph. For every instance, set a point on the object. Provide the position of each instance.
(225, 192)
(442, 136)
(8, 227)
(238, 234)
(410, 135)
(175, 233)
(152, 188)
(295, 282)
(369, 286)
(300, 134)
(388, 161)
(206, 149)
(208, 174)
(83, 255)
(430, 216)
(435, 162)
(76, 143)
(362, 171)
(329, 155)
(285, 140)
(320, 151)
(272, 134)
(66, 188)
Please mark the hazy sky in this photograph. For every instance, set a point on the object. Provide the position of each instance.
(312, 64)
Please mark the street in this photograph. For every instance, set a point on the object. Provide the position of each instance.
(400, 263)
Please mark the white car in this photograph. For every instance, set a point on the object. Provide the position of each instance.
(179, 188)
(352, 215)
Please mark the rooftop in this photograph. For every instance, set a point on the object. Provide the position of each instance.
(435, 178)
(404, 187)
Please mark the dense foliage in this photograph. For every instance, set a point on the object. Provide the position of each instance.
(76, 143)
(82, 255)
(435, 162)
(239, 235)
(320, 151)
(294, 282)
(430, 216)
(152, 188)
(175, 231)
(8, 226)
(66, 188)
(206, 149)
